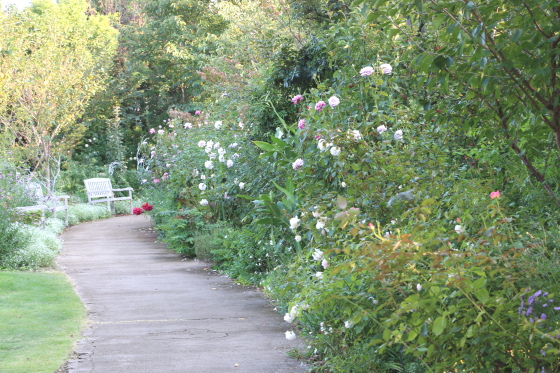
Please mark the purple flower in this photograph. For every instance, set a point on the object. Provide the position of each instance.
(543, 316)
(320, 105)
(529, 311)
(297, 164)
(366, 71)
(556, 308)
(297, 99)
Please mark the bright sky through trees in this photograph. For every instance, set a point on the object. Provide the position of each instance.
(20, 4)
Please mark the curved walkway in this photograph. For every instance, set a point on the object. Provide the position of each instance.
(150, 311)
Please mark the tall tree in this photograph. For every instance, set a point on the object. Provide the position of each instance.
(58, 59)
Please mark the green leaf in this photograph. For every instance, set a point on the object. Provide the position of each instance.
(482, 295)
(265, 146)
(268, 221)
(516, 35)
(411, 336)
(386, 334)
(439, 325)
(428, 202)
(424, 331)
(341, 202)
(479, 283)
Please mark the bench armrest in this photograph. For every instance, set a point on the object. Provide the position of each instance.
(54, 198)
(122, 190)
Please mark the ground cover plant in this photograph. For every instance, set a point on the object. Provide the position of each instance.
(40, 317)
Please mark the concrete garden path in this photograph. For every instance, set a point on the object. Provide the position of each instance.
(152, 312)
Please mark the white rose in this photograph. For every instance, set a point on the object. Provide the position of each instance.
(317, 254)
(294, 222)
(335, 150)
(386, 69)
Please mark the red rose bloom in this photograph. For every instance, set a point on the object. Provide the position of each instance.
(137, 211)
(147, 207)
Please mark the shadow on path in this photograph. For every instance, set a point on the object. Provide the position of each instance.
(150, 311)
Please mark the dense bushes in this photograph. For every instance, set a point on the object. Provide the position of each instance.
(373, 228)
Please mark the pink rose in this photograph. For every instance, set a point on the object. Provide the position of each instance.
(495, 194)
(152, 130)
(297, 99)
(301, 124)
(320, 105)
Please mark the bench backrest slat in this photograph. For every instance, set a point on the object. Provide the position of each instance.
(99, 187)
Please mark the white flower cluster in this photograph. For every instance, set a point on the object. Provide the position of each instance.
(324, 145)
(217, 153)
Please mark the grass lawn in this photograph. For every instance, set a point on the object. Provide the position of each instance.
(40, 318)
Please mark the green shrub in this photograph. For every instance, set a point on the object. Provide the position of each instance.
(40, 248)
(83, 212)
(12, 194)
(178, 228)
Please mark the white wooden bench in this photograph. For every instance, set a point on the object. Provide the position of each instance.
(100, 190)
(45, 203)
